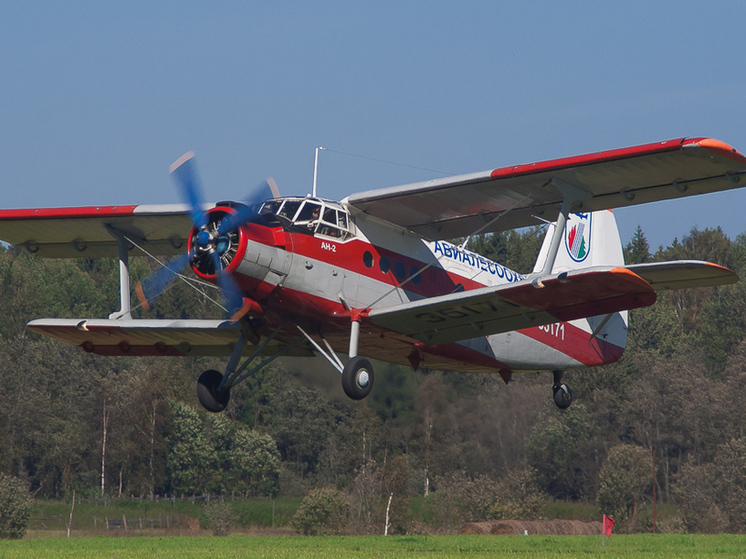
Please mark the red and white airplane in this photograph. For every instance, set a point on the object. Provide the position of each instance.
(374, 276)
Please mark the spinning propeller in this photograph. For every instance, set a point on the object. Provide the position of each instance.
(211, 242)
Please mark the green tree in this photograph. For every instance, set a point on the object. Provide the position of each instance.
(15, 508)
(192, 461)
(396, 486)
(515, 249)
(248, 462)
(559, 449)
(729, 481)
(625, 476)
(637, 250)
(712, 497)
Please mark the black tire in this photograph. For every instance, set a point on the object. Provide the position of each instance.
(357, 378)
(562, 395)
(209, 396)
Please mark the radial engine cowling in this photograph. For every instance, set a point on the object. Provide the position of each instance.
(230, 246)
(249, 253)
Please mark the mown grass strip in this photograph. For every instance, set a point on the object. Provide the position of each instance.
(363, 547)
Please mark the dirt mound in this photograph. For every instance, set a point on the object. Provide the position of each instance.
(540, 527)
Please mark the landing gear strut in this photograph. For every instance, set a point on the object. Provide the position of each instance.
(357, 373)
(561, 392)
(214, 388)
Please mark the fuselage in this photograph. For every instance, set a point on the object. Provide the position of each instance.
(312, 262)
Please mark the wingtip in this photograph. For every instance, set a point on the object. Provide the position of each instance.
(716, 146)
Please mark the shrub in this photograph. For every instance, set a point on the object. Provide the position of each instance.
(220, 517)
(15, 508)
(625, 476)
(323, 512)
(518, 497)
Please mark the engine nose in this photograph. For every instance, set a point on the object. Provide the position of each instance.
(229, 246)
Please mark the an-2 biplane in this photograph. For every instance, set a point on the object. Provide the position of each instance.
(374, 276)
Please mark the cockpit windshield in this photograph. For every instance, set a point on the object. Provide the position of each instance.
(312, 215)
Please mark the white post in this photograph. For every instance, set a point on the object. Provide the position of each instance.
(105, 413)
(388, 507)
(316, 169)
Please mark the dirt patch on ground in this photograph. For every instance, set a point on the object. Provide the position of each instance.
(533, 527)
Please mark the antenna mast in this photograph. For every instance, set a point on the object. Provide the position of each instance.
(316, 169)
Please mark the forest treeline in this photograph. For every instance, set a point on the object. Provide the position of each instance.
(475, 447)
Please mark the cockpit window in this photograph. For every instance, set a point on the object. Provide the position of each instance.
(270, 207)
(289, 209)
(315, 216)
(309, 212)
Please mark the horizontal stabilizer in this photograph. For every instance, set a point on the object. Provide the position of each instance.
(682, 274)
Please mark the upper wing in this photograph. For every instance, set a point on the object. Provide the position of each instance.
(566, 296)
(87, 232)
(150, 337)
(466, 204)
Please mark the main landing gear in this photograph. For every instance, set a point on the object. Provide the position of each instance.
(210, 395)
(561, 392)
(357, 373)
(214, 388)
(357, 378)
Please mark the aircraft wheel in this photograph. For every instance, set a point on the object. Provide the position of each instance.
(210, 397)
(357, 378)
(562, 395)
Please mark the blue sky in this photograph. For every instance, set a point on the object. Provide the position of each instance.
(98, 98)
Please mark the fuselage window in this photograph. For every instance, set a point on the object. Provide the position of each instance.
(416, 279)
(400, 270)
(368, 259)
(384, 264)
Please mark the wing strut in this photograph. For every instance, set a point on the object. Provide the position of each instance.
(571, 195)
(125, 307)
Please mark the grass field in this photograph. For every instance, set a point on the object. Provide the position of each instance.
(378, 547)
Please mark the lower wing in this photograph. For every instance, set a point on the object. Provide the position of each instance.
(151, 337)
(561, 297)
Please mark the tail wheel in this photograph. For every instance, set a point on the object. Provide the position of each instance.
(210, 397)
(357, 378)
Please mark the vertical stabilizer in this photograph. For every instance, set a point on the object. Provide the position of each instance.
(590, 239)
